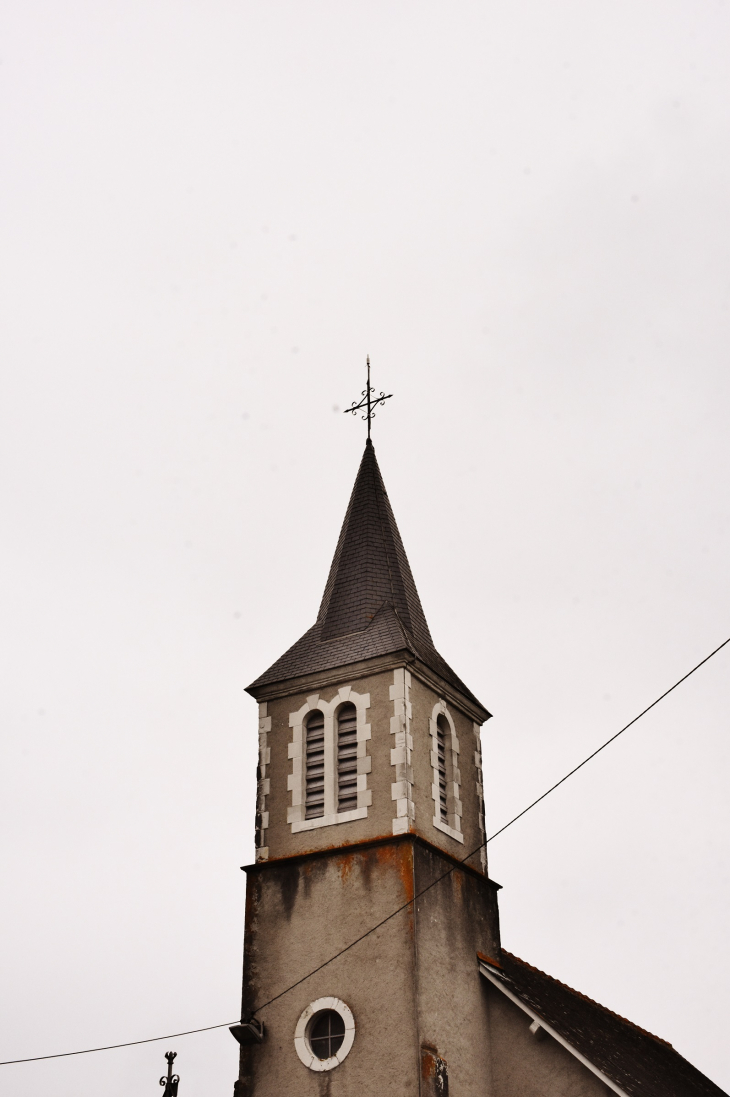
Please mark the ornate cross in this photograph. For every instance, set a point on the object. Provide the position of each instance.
(369, 401)
(172, 1081)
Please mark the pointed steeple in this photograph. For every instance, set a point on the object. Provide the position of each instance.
(370, 568)
(370, 605)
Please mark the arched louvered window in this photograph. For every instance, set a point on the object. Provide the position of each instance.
(314, 772)
(347, 758)
(443, 737)
(330, 764)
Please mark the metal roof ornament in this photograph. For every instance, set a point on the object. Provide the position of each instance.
(369, 401)
(172, 1081)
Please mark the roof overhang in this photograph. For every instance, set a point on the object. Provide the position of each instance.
(338, 675)
(500, 981)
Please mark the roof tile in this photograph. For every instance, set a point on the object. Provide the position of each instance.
(643, 1065)
(370, 605)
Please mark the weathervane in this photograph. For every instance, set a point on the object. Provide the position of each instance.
(172, 1081)
(369, 401)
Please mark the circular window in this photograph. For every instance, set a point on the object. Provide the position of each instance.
(324, 1034)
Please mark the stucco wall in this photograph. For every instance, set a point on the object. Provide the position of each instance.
(423, 700)
(413, 985)
(282, 840)
(300, 913)
(455, 919)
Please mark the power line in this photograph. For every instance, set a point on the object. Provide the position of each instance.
(492, 836)
(111, 1047)
(608, 741)
(208, 1028)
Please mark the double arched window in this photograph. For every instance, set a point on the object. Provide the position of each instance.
(346, 730)
(330, 763)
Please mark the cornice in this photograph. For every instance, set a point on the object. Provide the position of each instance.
(336, 676)
(369, 843)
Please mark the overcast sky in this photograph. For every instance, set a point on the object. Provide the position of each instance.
(211, 212)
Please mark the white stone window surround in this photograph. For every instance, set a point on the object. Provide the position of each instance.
(263, 783)
(301, 1034)
(452, 826)
(295, 815)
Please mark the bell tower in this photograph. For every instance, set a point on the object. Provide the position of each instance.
(369, 791)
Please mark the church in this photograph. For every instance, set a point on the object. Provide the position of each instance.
(372, 955)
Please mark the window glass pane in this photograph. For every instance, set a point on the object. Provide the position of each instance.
(326, 1034)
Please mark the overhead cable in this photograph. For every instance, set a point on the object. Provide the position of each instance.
(404, 906)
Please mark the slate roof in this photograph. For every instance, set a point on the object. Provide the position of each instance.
(370, 605)
(641, 1064)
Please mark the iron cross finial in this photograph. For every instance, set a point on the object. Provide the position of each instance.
(172, 1081)
(369, 400)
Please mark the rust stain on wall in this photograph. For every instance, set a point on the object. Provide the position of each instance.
(434, 1072)
(346, 863)
(399, 858)
(428, 1062)
(330, 846)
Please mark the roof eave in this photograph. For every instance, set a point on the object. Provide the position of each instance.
(467, 702)
(284, 687)
(403, 657)
(498, 981)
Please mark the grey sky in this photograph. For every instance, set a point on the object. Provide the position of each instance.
(211, 212)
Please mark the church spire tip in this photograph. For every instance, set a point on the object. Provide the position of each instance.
(369, 401)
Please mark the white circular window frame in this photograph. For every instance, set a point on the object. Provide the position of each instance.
(301, 1034)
